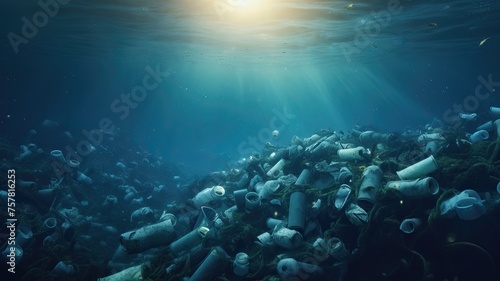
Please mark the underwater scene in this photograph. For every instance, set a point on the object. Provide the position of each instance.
(232, 140)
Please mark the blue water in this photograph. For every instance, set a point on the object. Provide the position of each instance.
(329, 64)
(168, 91)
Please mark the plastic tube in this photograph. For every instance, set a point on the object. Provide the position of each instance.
(417, 188)
(408, 226)
(297, 211)
(343, 176)
(488, 126)
(495, 110)
(372, 178)
(321, 248)
(337, 249)
(188, 241)
(45, 193)
(50, 240)
(229, 212)
(356, 215)
(268, 188)
(447, 207)
(252, 202)
(315, 209)
(479, 136)
(468, 117)
(25, 153)
(290, 269)
(63, 269)
(370, 137)
(68, 231)
(469, 208)
(168, 216)
(209, 216)
(431, 147)
(212, 266)
(295, 151)
(110, 201)
(81, 177)
(25, 184)
(129, 196)
(296, 140)
(321, 149)
(58, 156)
(50, 223)
(239, 198)
(208, 195)
(254, 165)
(271, 223)
(196, 256)
(241, 264)
(141, 214)
(357, 153)
(120, 254)
(277, 170)
(73, 164)
(286, 238)
(341, 196)
(419, 169)
(425, 138)
(264, 240)
(148, 237)
(243, 182)
(312, 139)
(303, 178)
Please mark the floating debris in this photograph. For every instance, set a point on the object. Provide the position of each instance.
(483, 41)
(432, 25)
(349, 6)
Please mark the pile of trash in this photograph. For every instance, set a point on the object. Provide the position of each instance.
(363, 205)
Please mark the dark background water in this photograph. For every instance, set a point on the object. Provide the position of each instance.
(230, 72)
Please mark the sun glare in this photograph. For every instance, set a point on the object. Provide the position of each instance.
(242, 4)
(244, 11)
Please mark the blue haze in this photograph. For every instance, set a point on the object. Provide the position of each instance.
(227, 75)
